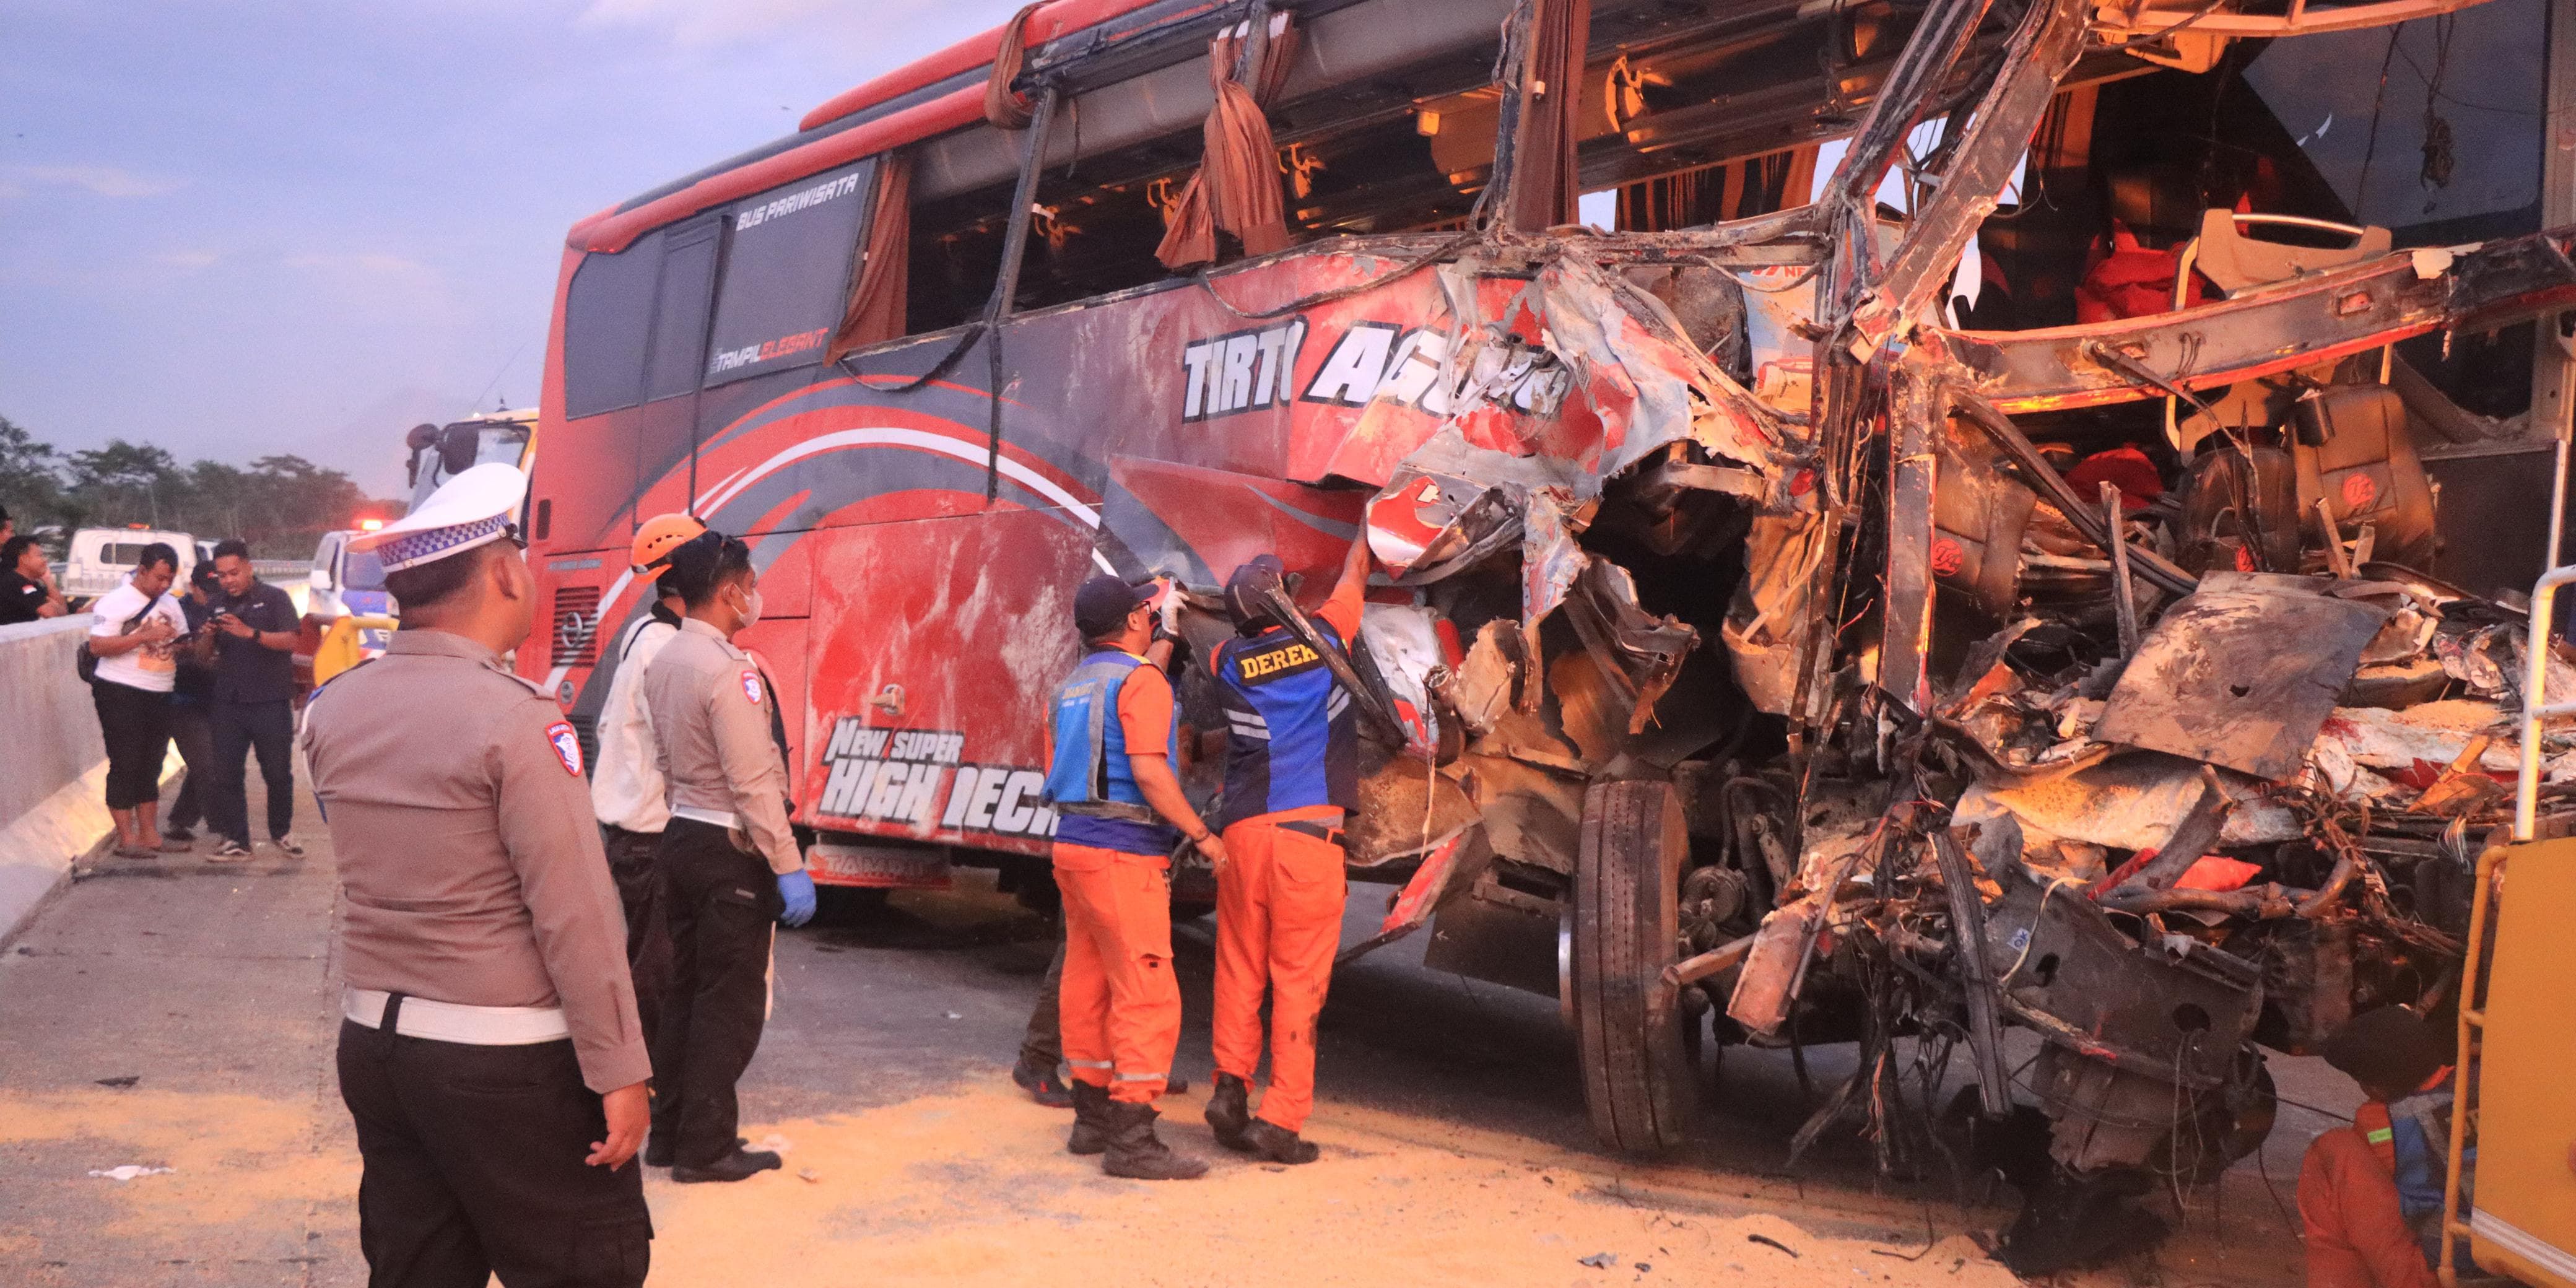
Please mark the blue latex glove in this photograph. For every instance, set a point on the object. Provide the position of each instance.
(797, 889)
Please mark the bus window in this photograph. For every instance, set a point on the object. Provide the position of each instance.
(787, 273)
(607, 315)
(680, 312)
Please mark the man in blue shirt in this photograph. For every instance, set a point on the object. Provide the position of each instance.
(1292, 772)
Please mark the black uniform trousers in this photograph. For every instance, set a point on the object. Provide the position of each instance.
(722, 904)
(192, 730)
(634, 859)
(241, 728)
(473, 1167)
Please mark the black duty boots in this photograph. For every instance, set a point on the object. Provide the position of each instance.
(741, 1164)
(1041, 1083)
(1229, 1112)
(1137, 1154)
(1090, 1133)
(1276, 1143)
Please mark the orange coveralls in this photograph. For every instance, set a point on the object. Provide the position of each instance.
(1278, 922)
(2355, 1235)
(1120, 1008)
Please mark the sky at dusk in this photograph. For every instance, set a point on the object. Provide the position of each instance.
(261, 226)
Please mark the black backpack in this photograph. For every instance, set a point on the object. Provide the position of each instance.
(86, 663)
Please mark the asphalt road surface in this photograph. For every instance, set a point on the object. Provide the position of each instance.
(170, 1014)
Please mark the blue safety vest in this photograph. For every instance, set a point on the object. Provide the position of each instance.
(1089, 780)
(2419, 1131)
(1292, 738)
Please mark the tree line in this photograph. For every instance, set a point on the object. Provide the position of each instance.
(281, 505)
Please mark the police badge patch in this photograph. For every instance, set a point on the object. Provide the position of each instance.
(751, 686)
(567, 745)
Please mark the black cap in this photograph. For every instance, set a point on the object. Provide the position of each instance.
(1246, 591)
(2390, 1049)
(1104, 601)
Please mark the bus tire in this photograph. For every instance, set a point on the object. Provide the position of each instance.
(1638, 1078)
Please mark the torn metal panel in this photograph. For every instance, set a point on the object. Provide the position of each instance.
(1402, 643)
(2298, 323)
(1413, 905)
(2174, 1011)
(1639, 653)
(1424, 527)
(1769, 620)
(1768, 983)
(1915, 415)
(2126, 803)
(2213, 681)
(1406, 808)
(1482, 688)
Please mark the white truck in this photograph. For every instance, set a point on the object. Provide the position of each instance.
(100, 558)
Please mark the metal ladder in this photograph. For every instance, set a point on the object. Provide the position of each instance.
(2456, 1226)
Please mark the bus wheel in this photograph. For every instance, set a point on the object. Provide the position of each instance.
(1637, 1075)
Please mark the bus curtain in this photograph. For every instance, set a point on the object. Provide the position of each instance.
(1237, 184)
(878, 301)
(1003, 108)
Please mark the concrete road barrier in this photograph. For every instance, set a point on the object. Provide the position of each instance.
(54, 769)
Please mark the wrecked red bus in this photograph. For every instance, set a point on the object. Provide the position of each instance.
(1981, 446)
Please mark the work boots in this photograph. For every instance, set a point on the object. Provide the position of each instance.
(1041, 1083)
(1277, 1143)
(1090, 1133)
(1229, 1112)
(1137, 1154)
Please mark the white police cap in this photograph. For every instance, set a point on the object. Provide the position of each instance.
(466, 511)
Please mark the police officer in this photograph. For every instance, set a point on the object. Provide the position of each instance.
(1118, 803)
(1291, 772)
(490, 1053)
(626, 789)
(730, 864)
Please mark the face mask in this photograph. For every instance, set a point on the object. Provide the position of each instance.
(751, 610)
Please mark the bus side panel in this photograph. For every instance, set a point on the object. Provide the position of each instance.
(940, 643)
(780, 644)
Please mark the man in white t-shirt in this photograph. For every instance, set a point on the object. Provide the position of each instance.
(135, 641)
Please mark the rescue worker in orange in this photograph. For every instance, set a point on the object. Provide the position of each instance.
(1118, 806)
(1291, 773)
(2370, 1195)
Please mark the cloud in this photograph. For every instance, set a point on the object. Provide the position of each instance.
(96, 180)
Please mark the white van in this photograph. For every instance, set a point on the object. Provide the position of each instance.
(101, 557)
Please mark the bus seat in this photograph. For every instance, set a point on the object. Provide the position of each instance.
(2235, 518)
(2234, 261)
(1978, 518)
(2356, 453)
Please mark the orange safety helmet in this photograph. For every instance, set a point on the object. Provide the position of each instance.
(660, 535)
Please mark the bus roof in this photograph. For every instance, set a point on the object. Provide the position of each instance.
(928, 96)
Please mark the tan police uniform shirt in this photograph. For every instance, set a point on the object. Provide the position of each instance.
(462, 825)
(711, 730)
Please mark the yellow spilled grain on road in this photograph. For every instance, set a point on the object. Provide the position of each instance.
(975, 1188)
(234, 1161)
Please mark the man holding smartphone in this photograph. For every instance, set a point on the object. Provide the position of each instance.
(255, 627)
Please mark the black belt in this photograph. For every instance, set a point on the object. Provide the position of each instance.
(1325, 832)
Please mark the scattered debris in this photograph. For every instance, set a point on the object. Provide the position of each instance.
(1769, 1242)
(128, 1171)
(1599, 1260)
(126, 1080)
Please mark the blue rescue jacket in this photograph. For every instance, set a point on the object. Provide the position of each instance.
(1292, 737)
(1090, 781)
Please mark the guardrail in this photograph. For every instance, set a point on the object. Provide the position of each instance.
(50, 807)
